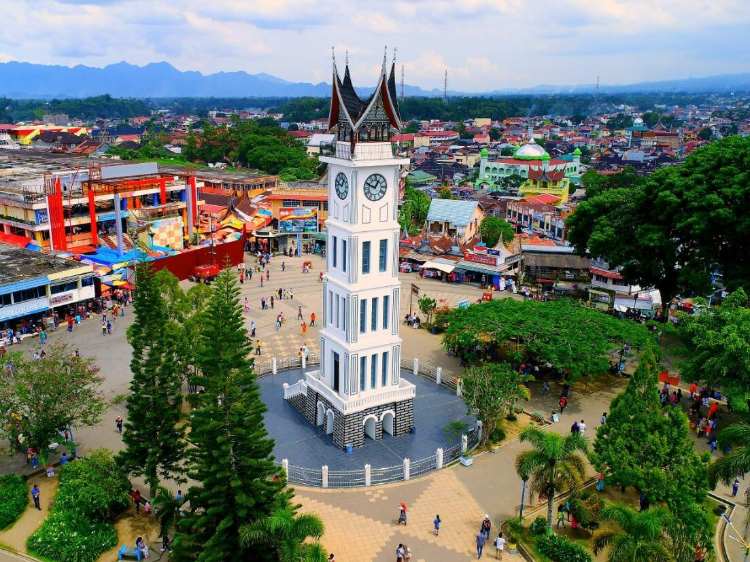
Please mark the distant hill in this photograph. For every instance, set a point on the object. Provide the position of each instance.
(162, 80)
(155, 80)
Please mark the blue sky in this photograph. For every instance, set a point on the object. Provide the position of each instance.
(484, 44)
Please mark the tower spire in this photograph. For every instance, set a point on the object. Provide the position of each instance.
(333, 57)
(346, 59)
(385, 56)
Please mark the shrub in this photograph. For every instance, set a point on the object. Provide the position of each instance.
(538, 526)
(94, 487)
(13, 500)
(71, 537)
(497, 435)
(92, 491)
(560, 549)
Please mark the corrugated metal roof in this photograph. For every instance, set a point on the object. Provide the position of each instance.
(458, 213)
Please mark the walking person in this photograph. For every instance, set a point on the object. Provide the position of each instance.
(283, 266)
(735, 487)
(499, 545)
(36, 495)
(303, 327)
(480, 544)
(246, 306)
(272, 302)
(562, 403)
(402, 514)
(252, 328)
(118, 424)
(436, 525)
(581, 427)
(400, 553)
(299, 312)
(312, 319)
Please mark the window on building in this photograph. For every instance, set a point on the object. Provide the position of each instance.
(337, 311)
(330, 308)
(292, 203)
(87, 281)
(366, 257)
(343, 313)
(384, 369)
(29, 294)
(373, 371)
(374, 316)
(63, 287)
(386, 310)
(362, 316)
(335, 250)
(343, 255)
(362, 373)
(5, 300)
(383, 257)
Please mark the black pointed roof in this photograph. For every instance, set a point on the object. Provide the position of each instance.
(349, 97)
(392, 90)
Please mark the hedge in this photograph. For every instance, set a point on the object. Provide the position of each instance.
(560, 549)
(92, 492)
(13, 499)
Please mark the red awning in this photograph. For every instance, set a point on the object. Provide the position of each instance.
(14, 239)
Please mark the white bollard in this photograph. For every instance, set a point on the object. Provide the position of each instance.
(285, 386)
(464, 443)
(324, 475)
(415, 368)
(439, 458)
(407, 468)
(273, 365)
(285, 467)
(439, 375)
(458, 388)
(479, 430)
(304, 361)
(368, 475)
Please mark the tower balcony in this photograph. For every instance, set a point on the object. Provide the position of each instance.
(358, 402)
(362, 150)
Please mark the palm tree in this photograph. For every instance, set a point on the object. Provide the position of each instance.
(166, 508)
(737, 461)
(555, 463)
(287, 532)
(639, 536)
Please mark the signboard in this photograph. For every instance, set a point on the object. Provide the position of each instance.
(294, 220)
(60, 299)
(414, 289)
(481, 258)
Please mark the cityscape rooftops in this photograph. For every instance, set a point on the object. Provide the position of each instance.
(455, 212)
(20, 264)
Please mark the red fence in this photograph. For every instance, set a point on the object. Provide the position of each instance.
(183, 264)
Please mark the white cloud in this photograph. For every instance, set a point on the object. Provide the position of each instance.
(484, 44)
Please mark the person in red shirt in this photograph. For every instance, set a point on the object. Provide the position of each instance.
(563, 403)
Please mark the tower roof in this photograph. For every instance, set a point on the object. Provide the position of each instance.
(356, 110)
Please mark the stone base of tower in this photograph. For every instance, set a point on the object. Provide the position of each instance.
(395, 418)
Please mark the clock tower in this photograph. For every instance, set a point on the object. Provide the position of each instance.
(358, 392)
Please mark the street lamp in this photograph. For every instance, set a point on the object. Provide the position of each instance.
(523, 495)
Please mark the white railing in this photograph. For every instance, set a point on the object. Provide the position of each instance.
(403, 391)
(300, 387)
(362, 151)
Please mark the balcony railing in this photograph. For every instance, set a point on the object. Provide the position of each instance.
(362, 151)
(403, 391)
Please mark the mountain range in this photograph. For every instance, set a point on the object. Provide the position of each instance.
(162, 80)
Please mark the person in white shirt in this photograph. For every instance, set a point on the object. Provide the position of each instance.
(581, 427)
(499, 545)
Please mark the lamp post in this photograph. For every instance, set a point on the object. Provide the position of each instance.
(523, 496)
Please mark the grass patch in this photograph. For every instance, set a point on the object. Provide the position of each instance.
(119, 399)
(13, 499)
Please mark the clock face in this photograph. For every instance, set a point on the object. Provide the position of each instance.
(375, 187)
(342, 186)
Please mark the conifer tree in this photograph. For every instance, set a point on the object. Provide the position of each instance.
(231, 457)
(154, 433)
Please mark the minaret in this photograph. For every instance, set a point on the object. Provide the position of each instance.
(358, 391)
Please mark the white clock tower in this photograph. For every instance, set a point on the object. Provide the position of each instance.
(358, 391)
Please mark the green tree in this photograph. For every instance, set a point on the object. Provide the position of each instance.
(427, 305)
(287, 533)
(638, 537)
(39, 398)
(414, 210)
(494, 229)
(737, 460)
(445, 193)
(620, 121)
(705, 134)
(554, 464)
(231, 458)
(154, 435)
(576, 340)
(718, 341)
(490, 391)
(495, 134)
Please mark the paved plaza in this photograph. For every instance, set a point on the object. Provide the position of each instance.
(361, 523)
(308, 446)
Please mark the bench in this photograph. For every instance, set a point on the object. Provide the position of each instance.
(126, 553)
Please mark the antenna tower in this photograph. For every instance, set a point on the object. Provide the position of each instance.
(445, 85)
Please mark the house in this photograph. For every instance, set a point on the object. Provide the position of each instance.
(316, 140)
(456, 219)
